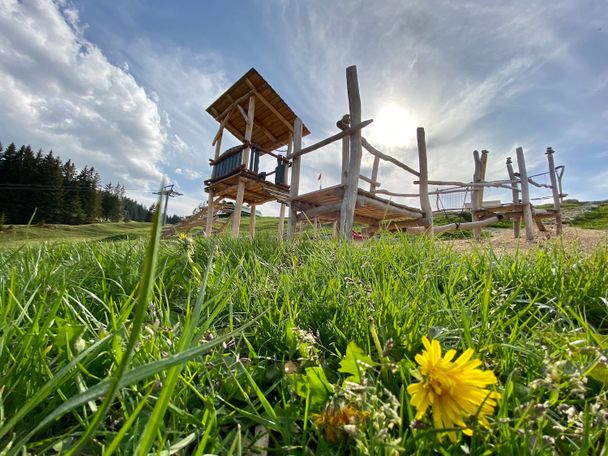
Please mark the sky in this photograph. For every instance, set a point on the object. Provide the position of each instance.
(123, 86)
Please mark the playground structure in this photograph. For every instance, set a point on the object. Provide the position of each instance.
(256, 115)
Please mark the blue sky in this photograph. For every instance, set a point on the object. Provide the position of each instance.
(123, 86)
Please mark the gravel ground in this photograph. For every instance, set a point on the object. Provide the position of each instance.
(502, 241)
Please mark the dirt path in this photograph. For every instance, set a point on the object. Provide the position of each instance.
(502, 241)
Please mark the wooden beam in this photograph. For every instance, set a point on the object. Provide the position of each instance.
(555, 191)
(295, 178)
(457, 226)
(220, 130)
(232, 105)
(477, 199)
(372, 182)
(243, 113)
(349, 131)
(425, 202)
(525, 194)
(372, 150)
(515, 196)
(347, 212)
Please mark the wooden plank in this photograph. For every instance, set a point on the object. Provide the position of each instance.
(515, 196)
(324, 209)
(555, 191)
(295, 178)
(349, 131)
(385, 207)
(525, 194)
(425, 202)
(372, 150)
(347, 211)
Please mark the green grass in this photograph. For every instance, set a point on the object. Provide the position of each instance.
(243, 341)
(13, 235)
(594, 219)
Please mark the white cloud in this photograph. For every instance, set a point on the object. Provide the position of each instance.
(59, 91)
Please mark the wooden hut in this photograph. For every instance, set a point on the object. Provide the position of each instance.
(258, 117)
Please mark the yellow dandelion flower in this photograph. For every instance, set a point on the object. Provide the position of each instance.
(183, 236)
(454, 390)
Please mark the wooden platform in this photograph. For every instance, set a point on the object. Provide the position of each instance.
(257, 191)
(325, 204)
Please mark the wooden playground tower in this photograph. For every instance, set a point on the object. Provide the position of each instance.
(255, 114)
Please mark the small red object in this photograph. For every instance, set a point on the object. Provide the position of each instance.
(357, 236)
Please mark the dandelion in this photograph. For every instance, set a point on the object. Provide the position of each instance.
(454, 390)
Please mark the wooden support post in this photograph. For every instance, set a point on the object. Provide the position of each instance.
(252, 221)
(525, 194)
(425, 202)
(555, 191)
(295, 178)
(238, 207)
(347, 212)
(240, 191)
(480, 170)
(475, 207)
(209, 220)
(374, 184)
(249, 130)
(515, 194)
(285, 177)
(345, 150)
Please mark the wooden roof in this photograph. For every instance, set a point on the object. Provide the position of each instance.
(272, 120)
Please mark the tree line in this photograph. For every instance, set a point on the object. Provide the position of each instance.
(43, 189)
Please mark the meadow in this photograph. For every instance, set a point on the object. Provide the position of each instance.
(223, 346)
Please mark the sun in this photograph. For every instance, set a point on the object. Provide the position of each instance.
(393, 126)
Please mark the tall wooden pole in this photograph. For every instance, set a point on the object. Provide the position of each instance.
(475, 193)
(515, 194)
(285, 177)
(295, 179)
(240, 191)
(555, 191)
(525, 194)
(345, 150)
(347, 212)
(425, 202)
